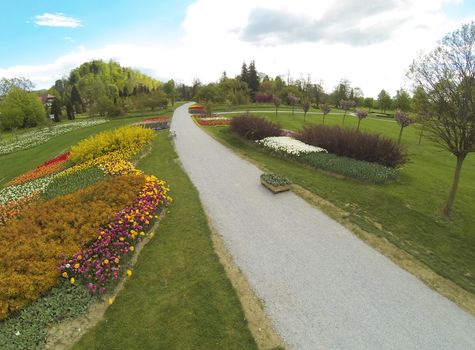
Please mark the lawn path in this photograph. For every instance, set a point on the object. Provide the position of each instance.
(322, 286)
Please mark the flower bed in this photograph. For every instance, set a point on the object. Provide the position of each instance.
(33, 245)
(196, 109)
(127, 140)
(36, 245)
(37, 137)
(288, 145)
(14, 193)
(275, 183)
(100, 262)
(47, 168)
(213, 122)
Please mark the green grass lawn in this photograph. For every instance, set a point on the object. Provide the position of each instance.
(179, 296)
(409, 211)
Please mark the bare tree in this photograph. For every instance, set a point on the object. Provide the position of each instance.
(346, 105)
(325, 108)
(305, 107)
(447, 75)
(276, 101)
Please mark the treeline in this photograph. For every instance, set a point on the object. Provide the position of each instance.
(97, 88)
(250, 86)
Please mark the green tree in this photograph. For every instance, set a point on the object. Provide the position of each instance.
(170, 89)
(56, 109)
(21, 109)
(447, 75)
(384, 101)
(421, 105)
(369, 103)
(402, 100)
(21, 83)
(253, 80)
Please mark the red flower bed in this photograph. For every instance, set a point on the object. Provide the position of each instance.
(213, 122)
(162, 118)
(44, 169)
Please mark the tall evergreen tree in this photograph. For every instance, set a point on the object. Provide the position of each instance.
(244, 73)
(76, 99)
(253, 80)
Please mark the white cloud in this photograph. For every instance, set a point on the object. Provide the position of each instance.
(57, 20)
(213, 42)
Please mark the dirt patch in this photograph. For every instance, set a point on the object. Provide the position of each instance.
(260, 325)
(447, 288)
(64, 335)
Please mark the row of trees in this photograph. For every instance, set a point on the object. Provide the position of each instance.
(250, 86)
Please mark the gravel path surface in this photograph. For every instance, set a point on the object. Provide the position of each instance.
(322, 287)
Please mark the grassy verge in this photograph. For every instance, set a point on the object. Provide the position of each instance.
(179, 296)
(405, 213)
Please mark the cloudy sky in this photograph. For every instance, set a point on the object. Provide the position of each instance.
(369, 43)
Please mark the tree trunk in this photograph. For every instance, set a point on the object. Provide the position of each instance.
(359, 122)
(276, 111)
(304, 115)
(344, 116)
(421, 133)
(400, 135)
(450, 201)
(324, 115)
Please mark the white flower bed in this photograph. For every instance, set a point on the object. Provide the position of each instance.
(37, 137)
(12, 193)
(289, 145)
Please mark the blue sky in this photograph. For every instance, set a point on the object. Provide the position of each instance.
(326, 40)
(101, 22)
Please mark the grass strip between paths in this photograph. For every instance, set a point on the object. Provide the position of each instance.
(179, 296)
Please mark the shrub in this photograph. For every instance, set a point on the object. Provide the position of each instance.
(354, 144)
(128, 139)
(34, 244)
(253, 128)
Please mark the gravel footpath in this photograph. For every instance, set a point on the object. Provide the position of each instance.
(322, 287)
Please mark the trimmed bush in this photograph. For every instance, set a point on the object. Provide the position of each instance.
(254, 128)
(354, 144)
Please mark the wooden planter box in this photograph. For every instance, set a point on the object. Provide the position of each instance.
(275, 189)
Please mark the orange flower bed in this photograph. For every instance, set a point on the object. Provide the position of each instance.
(34, 245)
(10, 210)
(215, 122)
(50, 167)
(162, 118)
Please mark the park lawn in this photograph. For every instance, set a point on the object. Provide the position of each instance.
(179, 296)
(409, 211)
(17, 163)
